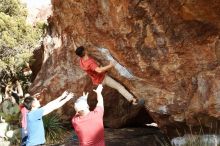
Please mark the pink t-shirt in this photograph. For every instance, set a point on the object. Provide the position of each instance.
(89, 128)
(24, 112)
(89, 67)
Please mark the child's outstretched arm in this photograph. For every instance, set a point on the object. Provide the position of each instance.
(57, 103)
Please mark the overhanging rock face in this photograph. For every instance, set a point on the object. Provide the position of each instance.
(168, 53)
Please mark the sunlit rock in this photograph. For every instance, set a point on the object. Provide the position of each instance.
(168, 52)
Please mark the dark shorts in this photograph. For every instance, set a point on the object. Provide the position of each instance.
(23, 142)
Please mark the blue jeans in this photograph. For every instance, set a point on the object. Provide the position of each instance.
(23, 137)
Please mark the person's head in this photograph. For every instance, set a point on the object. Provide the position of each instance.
(27, 95)
(80, 51)
(9, 88)
(30, 103)
(14, 80)
(81, 105)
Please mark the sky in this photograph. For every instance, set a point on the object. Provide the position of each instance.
(34, 7)
(37, 3)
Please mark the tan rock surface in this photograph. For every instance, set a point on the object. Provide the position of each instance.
(170, 51)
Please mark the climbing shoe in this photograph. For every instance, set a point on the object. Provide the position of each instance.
(139, 102)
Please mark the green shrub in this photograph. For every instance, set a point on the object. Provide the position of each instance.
(18, 39)
(54, 128)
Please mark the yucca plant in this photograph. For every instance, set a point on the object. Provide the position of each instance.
(200, 139)
(54, 129)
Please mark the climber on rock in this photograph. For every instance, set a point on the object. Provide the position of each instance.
(99, 76)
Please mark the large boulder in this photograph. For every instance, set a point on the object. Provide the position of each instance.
(169, 52)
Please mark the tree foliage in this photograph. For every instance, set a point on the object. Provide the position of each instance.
(12, 8)
(17, 38)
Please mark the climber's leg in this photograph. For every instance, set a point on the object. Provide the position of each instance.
(121, 89)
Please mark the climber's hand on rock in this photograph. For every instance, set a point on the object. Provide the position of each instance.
(112, 63)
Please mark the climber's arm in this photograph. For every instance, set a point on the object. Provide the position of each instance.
(105, 68)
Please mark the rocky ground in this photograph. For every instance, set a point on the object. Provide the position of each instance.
(130, 137)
